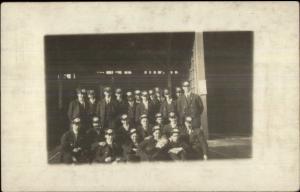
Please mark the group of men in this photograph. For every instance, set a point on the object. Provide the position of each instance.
(146, 126)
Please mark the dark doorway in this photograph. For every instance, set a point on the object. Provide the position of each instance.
(229, 75)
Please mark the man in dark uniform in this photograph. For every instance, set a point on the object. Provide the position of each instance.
(145, 107)
(123, 132)
(137, 96)
(130, 149)
(94, 136)
(159, 121)
(131, 107)
(176, 147)
(168, 105)
(190, 104)
(155, 102)
(108, 151)
(91, 105)
(196, 140)
(167, 130)
(178, 92)
(106, 110)
(154, 148)
(145, 129)
(121, 105)
(158, 94)
(72, 144)
(78, 108)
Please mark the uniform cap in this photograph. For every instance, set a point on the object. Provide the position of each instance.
(144, 93)
(188, 119)
(78, 90)
(132, 131)
(91, 92)
(178, 90)
(186, 84)
(155, 128)
(107, 89)
(172, 115)
(76, 120)
(118, 90)
(129, 94)
(158, 115)
(124, 116)
(109, 131)
(175, 131)
(166, 92)
(157, 89)
(137, 92)
(95, 119)
(144, 116)
(151, 92)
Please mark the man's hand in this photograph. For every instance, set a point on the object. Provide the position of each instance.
(148, 137)
(108, 159)
(101, 143)
(75, 150)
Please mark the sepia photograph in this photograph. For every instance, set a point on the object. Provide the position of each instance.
(137, 97)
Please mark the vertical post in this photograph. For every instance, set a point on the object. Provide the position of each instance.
(169, 77)
(60, 91)
(199, 78)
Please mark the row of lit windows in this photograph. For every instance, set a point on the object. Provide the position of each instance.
(155, 72)
(159, 72)
(114, 72)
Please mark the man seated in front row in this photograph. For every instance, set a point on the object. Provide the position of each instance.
(72, 144)
(159, 121)
(194, 137)
(154, 148)
(122, 133)
(108, 151)
(145, 129)
(176, 147)
(94, 136)
(167, 130)
(130, 149)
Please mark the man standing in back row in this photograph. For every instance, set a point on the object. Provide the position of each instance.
(189, 104)
(107, 110)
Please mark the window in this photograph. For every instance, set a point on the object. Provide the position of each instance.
(109, 72)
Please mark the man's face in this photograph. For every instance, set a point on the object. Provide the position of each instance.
(144, 122)
(186, 89)
(178, 94)
(172, 120)
(91, 96)
(109, 138)
(80, 96)
(188, 124)
(174, 137)
(107, 93)
(124, 121)
(156, 134)
(134, 137)
(168, 96)
(75, 127)
(145, 98)
(118, 95)
(159, 120)
(137, 97)
(96, 125)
